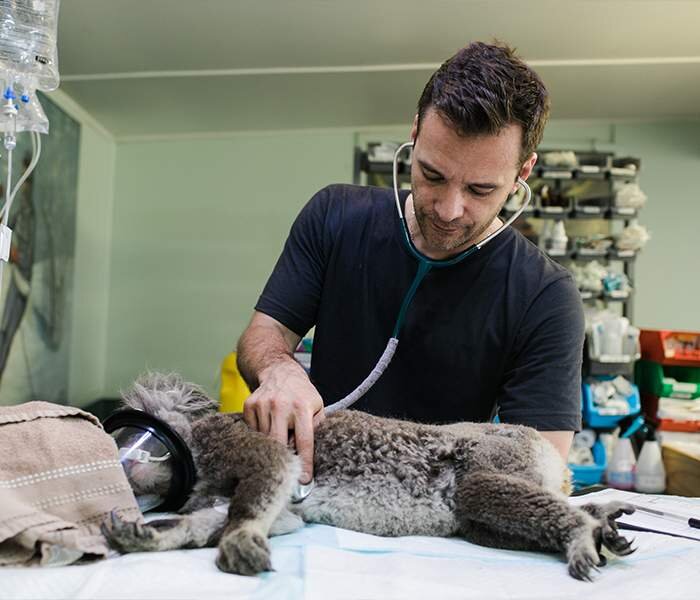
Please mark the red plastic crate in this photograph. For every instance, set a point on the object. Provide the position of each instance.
(667, 347)
(671, 425)
(650, 408)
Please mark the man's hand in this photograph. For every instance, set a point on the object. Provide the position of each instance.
(286, 400)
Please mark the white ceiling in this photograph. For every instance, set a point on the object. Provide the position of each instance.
(160, 67)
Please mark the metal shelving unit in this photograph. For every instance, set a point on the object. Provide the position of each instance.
(603, 168)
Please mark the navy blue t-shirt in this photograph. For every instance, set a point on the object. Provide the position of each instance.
(502, 330)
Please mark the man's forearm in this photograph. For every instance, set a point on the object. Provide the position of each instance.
(264, 344)
(561, 440)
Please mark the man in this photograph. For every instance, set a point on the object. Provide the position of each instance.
(501, 331)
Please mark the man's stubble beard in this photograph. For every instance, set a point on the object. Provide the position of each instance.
(448, 242)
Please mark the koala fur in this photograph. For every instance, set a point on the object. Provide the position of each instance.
(497, 485)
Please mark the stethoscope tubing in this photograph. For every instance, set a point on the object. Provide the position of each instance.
(425, 265)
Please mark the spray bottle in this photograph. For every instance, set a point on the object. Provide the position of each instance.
(621, 469)
(650, 476)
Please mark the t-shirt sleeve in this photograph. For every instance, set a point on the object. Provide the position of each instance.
(292, 293)
(542, 384)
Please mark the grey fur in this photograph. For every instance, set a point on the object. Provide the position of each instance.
(170, 398)
(496, 485)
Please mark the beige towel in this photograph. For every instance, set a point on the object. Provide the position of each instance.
(59, 477)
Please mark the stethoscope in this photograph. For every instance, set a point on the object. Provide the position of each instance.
(425, 265)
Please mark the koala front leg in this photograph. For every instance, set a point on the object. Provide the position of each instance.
(196, 530)
(267, 472)
(510, 512)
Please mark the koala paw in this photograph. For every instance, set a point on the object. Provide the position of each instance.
(244, 552)
(127, 536)
(584, 552)
(583, 556)
(606, 533)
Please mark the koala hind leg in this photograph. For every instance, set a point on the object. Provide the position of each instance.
(510, 512)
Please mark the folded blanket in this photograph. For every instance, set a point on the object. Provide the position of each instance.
(60, 477)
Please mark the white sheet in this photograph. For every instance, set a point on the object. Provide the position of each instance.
(321, 562)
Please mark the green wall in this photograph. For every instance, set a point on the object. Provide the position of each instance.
(93, 247)
(198, 223)
(668, 281)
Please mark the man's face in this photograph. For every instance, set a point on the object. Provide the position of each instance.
(459, 184)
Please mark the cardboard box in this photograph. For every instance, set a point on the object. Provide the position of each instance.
(682, 464)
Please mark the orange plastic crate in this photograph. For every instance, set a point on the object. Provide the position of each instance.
(667, 347)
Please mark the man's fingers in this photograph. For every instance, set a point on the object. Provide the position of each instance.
(262, 414)
(319, 417)
(249, 415)
(279, 429)
(304, 438)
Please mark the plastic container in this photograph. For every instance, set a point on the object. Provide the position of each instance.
(620, 473)
(679, 348)
(233, 390)
(558, 240)
(675, 425)
(668, 381)
(651, 404)
(650, 474)
(584, 475)
(592, 416)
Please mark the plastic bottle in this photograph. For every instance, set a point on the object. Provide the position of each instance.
(650, 475)
(545, 238)
(559, 239)
(621, 467)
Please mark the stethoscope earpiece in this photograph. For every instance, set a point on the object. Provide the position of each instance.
(425, 264)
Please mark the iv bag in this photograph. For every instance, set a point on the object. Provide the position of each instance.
(28, 42)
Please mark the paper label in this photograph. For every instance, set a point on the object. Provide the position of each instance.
(5, 242)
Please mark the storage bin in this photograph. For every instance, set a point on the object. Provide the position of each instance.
(592, 416)
(679, 348)
(584, 475)
(668, 381)
(650, 404)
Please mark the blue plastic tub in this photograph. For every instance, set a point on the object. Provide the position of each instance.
(590, 474)
(591, 415)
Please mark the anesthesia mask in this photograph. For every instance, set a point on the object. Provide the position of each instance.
(156, 460)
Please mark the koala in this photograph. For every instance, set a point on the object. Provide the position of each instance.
(496, 485)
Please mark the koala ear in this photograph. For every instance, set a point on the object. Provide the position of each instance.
(157, 392)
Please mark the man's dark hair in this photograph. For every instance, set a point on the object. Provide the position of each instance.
(484, 88)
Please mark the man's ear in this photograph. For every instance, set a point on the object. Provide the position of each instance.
(414, 129)
(525, 170)
(527, 167)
